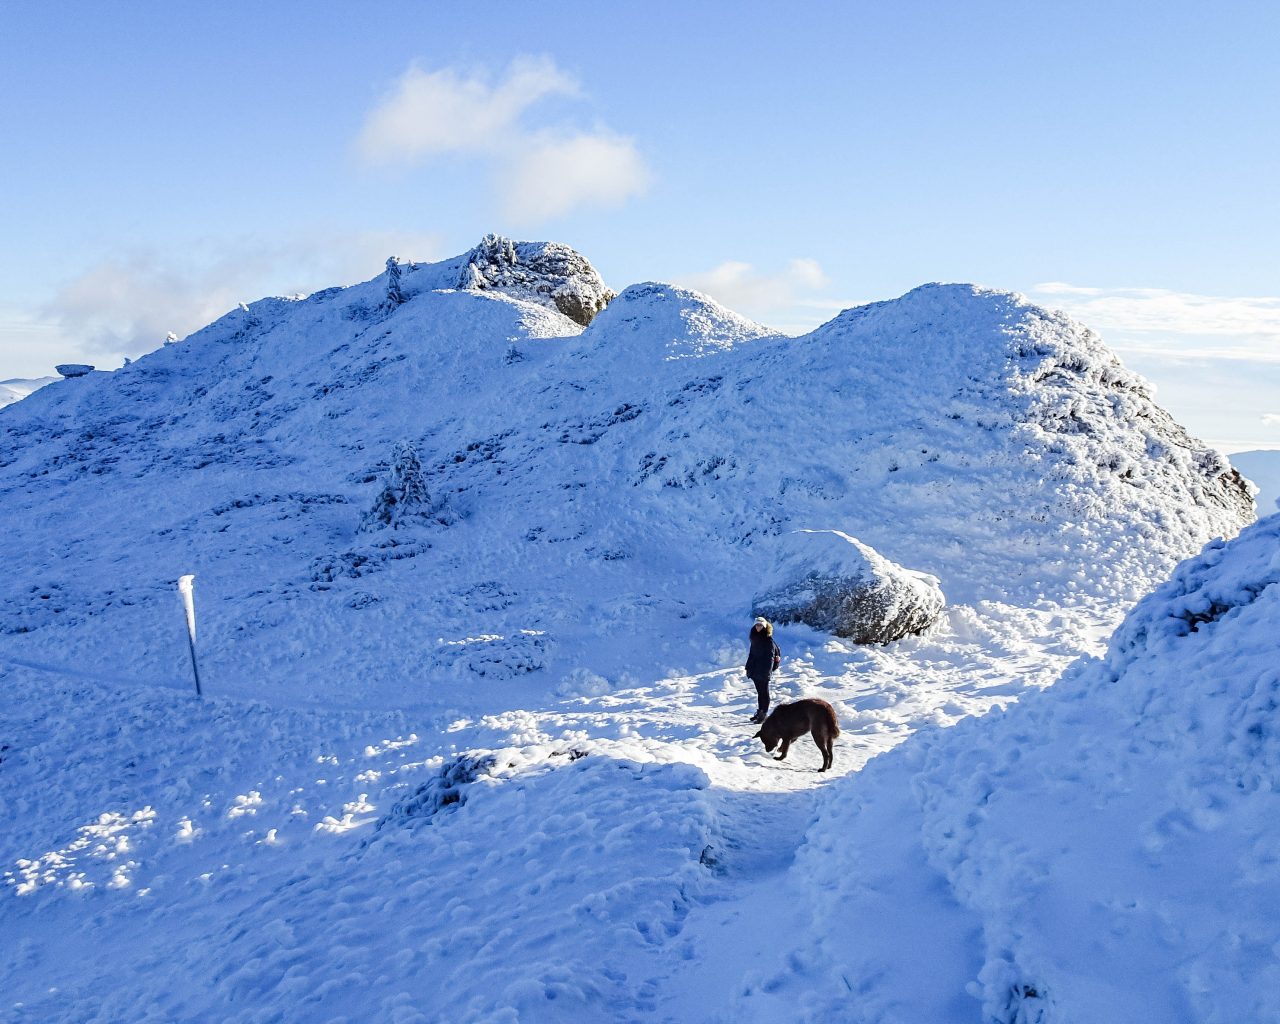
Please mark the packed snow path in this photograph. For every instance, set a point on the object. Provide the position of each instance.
(625, 856)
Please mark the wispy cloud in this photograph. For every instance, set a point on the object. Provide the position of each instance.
(1189, 326)
(538, 171)
(791, 299)
(429, 113)
(126, 305)
(557, 174)
(1271, 419)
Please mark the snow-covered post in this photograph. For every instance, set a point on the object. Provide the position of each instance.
(186, 587)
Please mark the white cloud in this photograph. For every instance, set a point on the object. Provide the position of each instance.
(556, 175)
(126, 305)
(1271, 419)
(1192, 324)
(788, 299)
(538, 171)
(434, 112)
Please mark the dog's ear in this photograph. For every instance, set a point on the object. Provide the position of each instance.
(757, 735)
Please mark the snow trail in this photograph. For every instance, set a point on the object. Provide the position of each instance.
(645, 824)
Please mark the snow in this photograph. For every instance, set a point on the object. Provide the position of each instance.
(1101, 851)
(17, 388)
(495, 765)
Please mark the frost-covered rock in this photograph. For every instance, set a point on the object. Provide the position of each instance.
(544, 272)
(834, 583)
(74, 369)
(446, 788)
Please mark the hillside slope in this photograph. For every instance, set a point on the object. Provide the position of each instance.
(593, 489)
(495, 765)
(1103, 850)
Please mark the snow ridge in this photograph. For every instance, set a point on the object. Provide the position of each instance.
(600, 484)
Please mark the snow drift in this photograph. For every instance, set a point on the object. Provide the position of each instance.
(1107, 846)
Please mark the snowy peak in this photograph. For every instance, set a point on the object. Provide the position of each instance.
(1047, 383)
(946, 333)
(544, 272)
(662, 321)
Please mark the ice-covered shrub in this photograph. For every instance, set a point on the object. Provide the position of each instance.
(403, 499)
(445, 789)
(395, 296)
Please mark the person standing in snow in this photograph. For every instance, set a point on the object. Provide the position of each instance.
(763, 658)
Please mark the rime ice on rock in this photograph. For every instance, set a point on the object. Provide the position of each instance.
(544, 272)
(828, 580)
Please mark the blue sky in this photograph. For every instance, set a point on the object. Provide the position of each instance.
(160, 162)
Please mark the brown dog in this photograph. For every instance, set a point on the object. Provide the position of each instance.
(788, 722)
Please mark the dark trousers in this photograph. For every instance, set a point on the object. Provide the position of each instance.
(762, 696)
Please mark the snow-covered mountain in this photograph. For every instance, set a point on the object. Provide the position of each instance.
(495, 765)
(590, 487)
(1262, 467)
(17, 388)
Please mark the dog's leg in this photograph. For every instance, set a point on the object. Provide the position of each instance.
(782, 754)
(821, 742)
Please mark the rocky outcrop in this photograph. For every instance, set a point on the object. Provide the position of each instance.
(834, 583)
(74, 369)
(545, 272)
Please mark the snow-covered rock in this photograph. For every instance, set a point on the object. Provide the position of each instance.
(74, 369)
(834, 583)
(544, 272)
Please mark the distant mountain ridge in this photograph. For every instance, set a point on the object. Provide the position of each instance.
(597, 486)
(17, 388)
(1263, 468)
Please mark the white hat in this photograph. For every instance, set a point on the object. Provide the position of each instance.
(761, 620)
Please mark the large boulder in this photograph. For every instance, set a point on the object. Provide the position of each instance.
(834, 583)
(74, 369)
(545, 272)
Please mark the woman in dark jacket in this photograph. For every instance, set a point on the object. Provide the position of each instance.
(762, 659)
